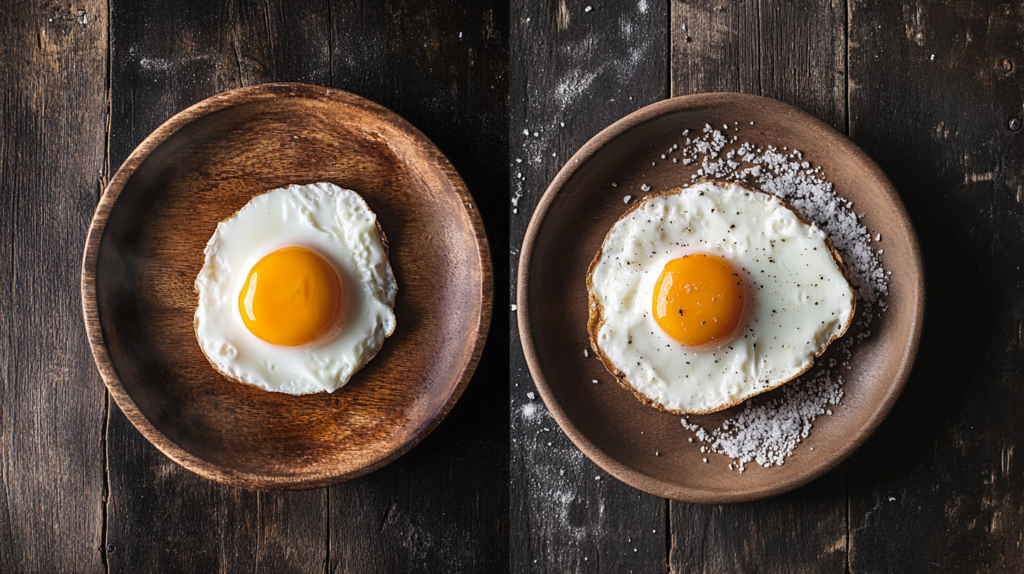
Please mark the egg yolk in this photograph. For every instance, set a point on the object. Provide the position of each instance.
(293, 297)
(700, 299)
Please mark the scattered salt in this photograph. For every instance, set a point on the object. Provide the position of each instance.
(615, 184)
(769, 430)
(586, 353)
(514, 307)
(892, 499)
(645, 187)
(594, 381)
(530, 395)
(627, 198)
(588, 9)
(526, 132)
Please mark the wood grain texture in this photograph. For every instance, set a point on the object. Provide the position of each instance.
(443, 506)
(795, 532)
(574, 72)
(794, 52)
(790, 51)
(146, 245)
(933, 90)
(52, 124)
(166, 56)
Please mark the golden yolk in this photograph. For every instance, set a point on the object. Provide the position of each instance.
(700, 299)
(293, 297)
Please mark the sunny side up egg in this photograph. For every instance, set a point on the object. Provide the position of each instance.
(703, 297)
(296, 292)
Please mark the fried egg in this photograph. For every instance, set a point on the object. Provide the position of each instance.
(703, 297)
(296, 292)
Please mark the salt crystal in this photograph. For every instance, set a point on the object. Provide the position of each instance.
(767, 431)
(588, 9)
(586, 353)
(627, 198)
(615, 184)
(530, 395)
(514, 306)
(645, 187)
(526, 132)
(594, 381)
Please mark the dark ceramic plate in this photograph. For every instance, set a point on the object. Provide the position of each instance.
(605, 421)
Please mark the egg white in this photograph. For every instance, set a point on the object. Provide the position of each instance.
(801, 298)
(337, 224)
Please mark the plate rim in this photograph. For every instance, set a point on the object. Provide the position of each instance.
(93, 319)
(644, 481)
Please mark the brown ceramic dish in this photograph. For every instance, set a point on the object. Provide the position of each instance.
(605, 421)
(145, 248)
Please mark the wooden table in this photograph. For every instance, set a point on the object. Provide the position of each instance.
(83, 491)
(933, 92)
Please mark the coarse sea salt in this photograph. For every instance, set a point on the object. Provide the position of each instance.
(769, 432)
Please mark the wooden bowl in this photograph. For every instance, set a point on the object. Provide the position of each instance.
(145, 248)
(605, 421)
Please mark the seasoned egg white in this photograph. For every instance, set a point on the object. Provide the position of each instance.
(334, 223)
(801, 299)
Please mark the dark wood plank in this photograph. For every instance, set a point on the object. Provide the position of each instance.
(794, 52)
(574, 72)
(52, 146)
(443, 506)
(802, 531)
(165, 57)
(933, 90)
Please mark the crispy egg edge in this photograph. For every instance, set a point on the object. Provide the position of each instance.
(596, 311)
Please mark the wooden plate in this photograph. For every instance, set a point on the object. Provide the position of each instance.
(605, 421)
(145, 248)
